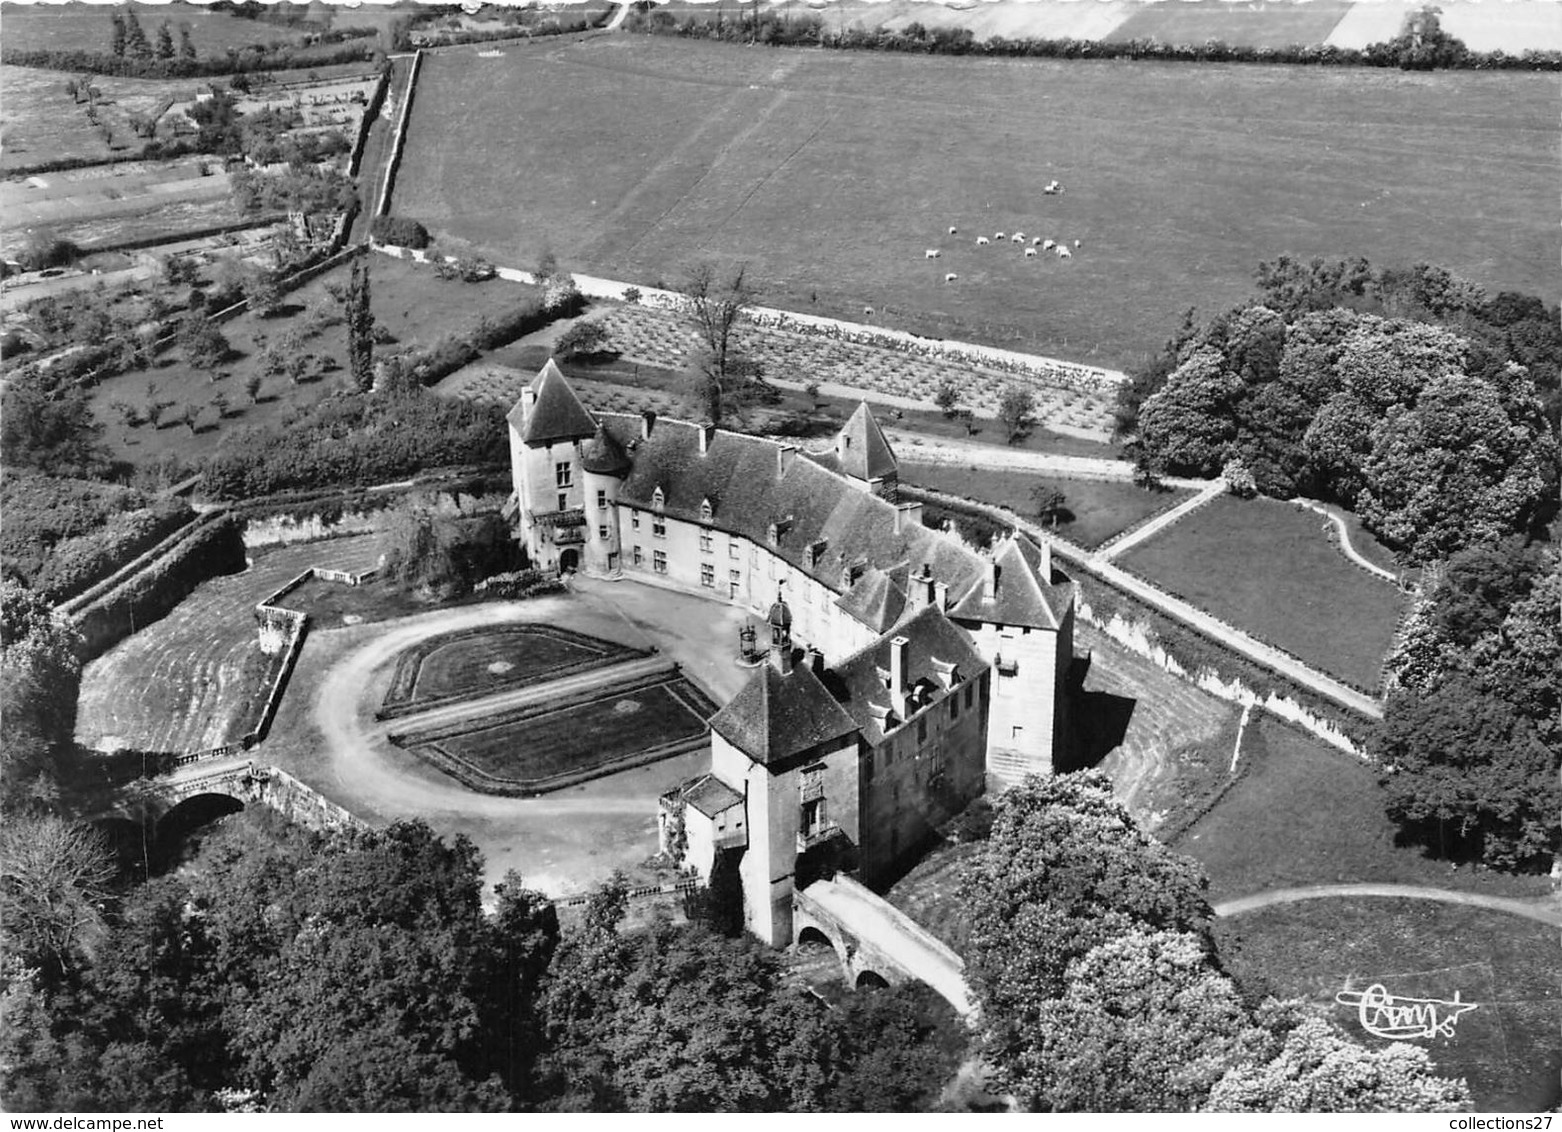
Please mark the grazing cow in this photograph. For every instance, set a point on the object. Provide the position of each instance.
(932, 253)
(1064, 253)
(1018, 237)
(980, 240)
(1030, 253)
(997, 235)
(1035, 242)
(951, 277)
(1076, 243)
(867, 312)
(952, 229)
(1049, 245)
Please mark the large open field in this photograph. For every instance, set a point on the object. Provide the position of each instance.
(1271, 569)
(832, 173)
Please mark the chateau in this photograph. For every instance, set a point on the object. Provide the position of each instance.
(905, 672)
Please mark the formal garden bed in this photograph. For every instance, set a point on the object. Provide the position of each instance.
(470, 663)
(543, 747)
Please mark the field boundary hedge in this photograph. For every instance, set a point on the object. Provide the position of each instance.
(811, 32)
(240, 61)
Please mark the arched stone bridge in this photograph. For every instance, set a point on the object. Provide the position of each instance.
(151, 801)
(876, 940)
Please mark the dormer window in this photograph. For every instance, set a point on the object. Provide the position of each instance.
(707, 512)
(658, 499)
(814, 553)
(778, 529)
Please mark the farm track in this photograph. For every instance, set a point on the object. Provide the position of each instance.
(184, 682)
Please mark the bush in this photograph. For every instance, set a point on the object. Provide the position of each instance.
(400, 231)
(1239, 480)
(77, 563)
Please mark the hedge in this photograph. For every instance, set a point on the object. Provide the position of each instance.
(400, 231)
(77, 563)
(811, 32)
(212, 548)
(239, 62)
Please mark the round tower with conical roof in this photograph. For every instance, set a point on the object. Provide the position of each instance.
(604, 464)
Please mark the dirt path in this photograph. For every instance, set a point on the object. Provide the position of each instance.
(1158, 524)
(1546, 910)
(1344, 540)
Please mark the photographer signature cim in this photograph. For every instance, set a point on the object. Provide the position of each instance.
(1385, 1016)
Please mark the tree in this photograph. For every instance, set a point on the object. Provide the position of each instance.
(219, 404)
(51, 428)
(252, 385)
(896, 1047)
(117, 42)
(136, 45)
(263, 291)
(947, 397)
(1145, 1024)
(584, 340)
(1317, 1069)
(165, 41)
(53, 880)
(360, 327)
(420, 546)
(186, 44)
(1189, 424)
(1064, 870)
(1050, 502)
(1423, 45)
(1452, 471)
(190, 417)
(203, 344)
(1016, 408)
(714, 303)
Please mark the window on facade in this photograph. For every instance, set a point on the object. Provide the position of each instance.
(954, 707)
(732, 550)
(561, 474)
(601, 501)
(602, 533)
(707, 544)
(659, 562)
(563, 502)
(1017, 732)
(970, 689)
(658, 526)
(639, 557)
(815, 817)
(708, 576)
(634, 519)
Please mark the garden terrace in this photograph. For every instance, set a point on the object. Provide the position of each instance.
(1273, 570)
(472, 663)
(670, 150)
(1096, 510)
(196, 679)
(543, 747)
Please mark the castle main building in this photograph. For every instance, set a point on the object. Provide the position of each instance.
(905, 671)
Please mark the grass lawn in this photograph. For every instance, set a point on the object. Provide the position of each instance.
(479, 662)
(527, 750)
(1507, 1048)
(1099, 509)
(830, 173)
(1249, 24)
(196, 678)
(1269, 568)
(416, 306)
(1304, 814)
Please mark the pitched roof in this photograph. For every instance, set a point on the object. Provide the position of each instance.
(557, 413)
(710, 795)
(878, 598)
(1023, 595)
(605, 455)
(861, 448)
(744, 473)
(776, 715)
(937, 649)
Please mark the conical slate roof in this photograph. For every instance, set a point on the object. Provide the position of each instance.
(1022, 595)
(605, 455)
(777, 715)
(863, 451)
(557, 415)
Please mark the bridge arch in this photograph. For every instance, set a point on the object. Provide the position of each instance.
(871, 980)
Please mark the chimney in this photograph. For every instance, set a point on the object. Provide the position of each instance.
(781, 657)
(707, 434)
(647, 423)
(941, 595)
(924, 590)
(784, 457)
(908, 516)
(899, 661)
(990, 580)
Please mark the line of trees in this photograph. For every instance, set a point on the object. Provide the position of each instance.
(1422, 44)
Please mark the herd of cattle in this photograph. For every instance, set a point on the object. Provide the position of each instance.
(1035, 247)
